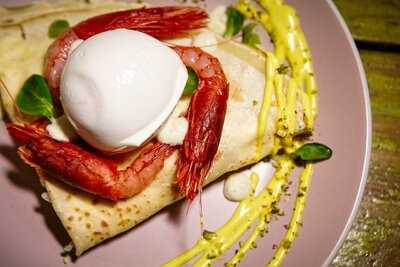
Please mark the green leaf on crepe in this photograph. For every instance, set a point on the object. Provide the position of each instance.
(234, 23)
(313, 152)
(192, 82)
(57, 27)
(249, 37)
(35, 97)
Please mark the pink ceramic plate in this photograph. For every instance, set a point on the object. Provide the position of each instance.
(31, 234)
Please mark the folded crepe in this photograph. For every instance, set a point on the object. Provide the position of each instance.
(88, 219)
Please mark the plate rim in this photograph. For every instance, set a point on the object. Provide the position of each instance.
(368, 137)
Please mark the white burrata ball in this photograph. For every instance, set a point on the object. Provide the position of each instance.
(118, 87)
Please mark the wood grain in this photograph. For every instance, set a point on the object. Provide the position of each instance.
(372, 20)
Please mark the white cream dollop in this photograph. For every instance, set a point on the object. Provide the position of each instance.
(118, 87)
(173, 131)
(238, 185)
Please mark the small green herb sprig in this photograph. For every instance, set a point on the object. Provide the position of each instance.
(57, 27)
(312, 152)
(35, 97)
(236, 23)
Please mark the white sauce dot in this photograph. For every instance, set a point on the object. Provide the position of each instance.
(173, 131)
(61, 129)
(237, 186)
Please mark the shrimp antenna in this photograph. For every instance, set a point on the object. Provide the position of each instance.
(201, 213)
(201, 210)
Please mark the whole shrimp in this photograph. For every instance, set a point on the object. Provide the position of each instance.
(82, 169)
(93, 173)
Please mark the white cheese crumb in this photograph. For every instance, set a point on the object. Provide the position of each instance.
(173, 131)
(45, 196)
(218, 20)
(237, 186)
(66, 253)
(61, 129)
(69, 247)
(67, 259)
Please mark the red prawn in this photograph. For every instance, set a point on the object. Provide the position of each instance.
(92, 173)
(206, 113)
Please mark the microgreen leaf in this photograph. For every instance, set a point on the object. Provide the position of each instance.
(57, 27)
(250, 37)
(35, 98)
(313, 152)
(234, 23)
(191, 83)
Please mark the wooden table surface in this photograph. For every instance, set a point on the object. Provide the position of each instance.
(374, 239)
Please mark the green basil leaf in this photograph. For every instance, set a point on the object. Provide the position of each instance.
(313, 152)
(192, 82)
(35, 97)
(250, 37)
(234, 23)
(57, 27)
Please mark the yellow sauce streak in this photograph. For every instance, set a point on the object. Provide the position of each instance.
(282, 24)
(254, 182)
(270, 70)
(297, 218)
(248, 211)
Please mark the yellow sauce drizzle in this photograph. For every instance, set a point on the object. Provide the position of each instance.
(253, 208)
(270, 69)
(297, 218)
(282, 24)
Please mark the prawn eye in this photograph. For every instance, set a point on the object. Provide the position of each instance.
(191, 83)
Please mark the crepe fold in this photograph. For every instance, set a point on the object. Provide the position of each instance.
(88, 219)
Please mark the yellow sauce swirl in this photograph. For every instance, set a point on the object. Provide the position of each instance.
(253, 208)
(282, 24)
